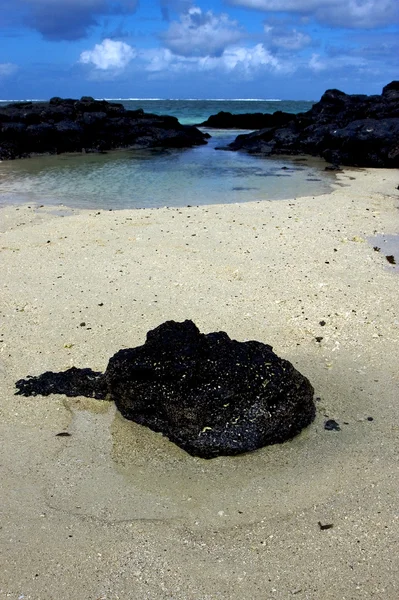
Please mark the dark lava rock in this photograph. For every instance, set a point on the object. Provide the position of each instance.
(227, 120)
(67, 125)
(73, 382)
(356, 130)
(332, 425)
(207, 393)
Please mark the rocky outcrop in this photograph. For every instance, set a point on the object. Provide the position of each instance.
(227, 120)
(208, 394)
(353, 130)
(67, 125)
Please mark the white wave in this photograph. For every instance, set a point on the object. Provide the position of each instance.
(25, 100)
(192, 99)
(132, 99)
(163, 100)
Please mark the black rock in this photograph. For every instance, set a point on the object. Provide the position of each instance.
(332, 425)
(207, 393)
(355, 130)
(73, 382)
(391, 90)
(68, 125)
(227, 120)
(365, 143)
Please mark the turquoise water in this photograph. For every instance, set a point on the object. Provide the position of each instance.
(140, 179)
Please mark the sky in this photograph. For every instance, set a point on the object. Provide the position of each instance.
(287, 49)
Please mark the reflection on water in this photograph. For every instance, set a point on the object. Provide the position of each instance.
(153, 178)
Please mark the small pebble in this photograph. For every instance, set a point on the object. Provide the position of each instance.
(326, 526)
(332, 425)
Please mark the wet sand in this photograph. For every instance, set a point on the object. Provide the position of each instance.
(115, 511)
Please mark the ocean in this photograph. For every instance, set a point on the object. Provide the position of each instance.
(173, 177)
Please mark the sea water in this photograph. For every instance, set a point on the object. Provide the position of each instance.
(171, 177)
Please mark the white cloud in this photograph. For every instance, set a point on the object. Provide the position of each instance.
(250, 59)
(344, 63)
(109, 55)
(200, 33)
(7, 69)
(367, 14)
(159, 60)
(278, 37)
(245, 62)
(316, 64)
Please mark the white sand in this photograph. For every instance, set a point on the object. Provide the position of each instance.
(118, 512)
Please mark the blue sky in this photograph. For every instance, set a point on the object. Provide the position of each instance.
(289, 49)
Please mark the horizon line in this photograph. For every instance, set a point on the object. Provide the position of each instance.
(203, 99)
(166, 99)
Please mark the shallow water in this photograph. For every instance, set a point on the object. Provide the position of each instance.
(146, 477)
(154, 178)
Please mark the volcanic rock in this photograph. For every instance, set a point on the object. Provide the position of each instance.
(67, 125)
(227, 120)
(355, 130)
(208, 394)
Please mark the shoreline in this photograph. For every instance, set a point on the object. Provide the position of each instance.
(117, 511)
(278, 176)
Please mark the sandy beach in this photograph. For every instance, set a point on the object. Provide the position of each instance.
(115, 511)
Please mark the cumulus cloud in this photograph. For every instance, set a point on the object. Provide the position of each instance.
(367, 14)
(109, 55)
(245, 62)
(65, 19)
(250, 59)
(316, 64)
(343, 63)
(7, 69)
(280, 38)
(200, 33)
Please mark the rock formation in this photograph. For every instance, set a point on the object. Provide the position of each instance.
(355, 130)
(207, 393)
(67, 125)
(227, 120)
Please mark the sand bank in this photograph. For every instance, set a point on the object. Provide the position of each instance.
(116, 511)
